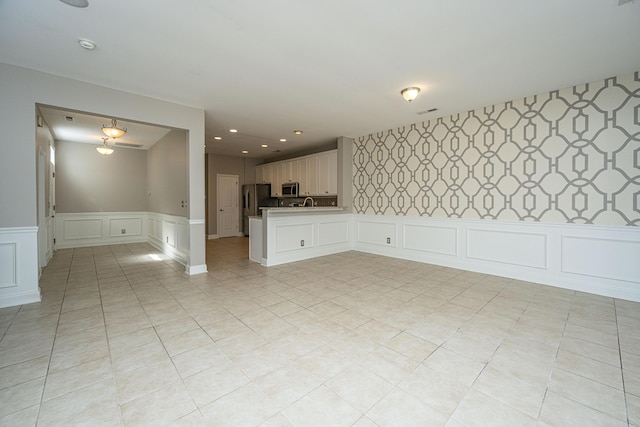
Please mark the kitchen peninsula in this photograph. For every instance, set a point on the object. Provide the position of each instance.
(287, 234)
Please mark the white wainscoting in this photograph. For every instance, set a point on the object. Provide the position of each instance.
(168, 233)
(75, 230)
(297, 237)
(594, 259)
(18, 266)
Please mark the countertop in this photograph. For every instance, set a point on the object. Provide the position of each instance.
(298, 209)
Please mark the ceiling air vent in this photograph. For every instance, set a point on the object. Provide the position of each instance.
(128, 145)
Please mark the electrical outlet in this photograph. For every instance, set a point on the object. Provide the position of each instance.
(301, 242)
(123, 231)
(388, 240)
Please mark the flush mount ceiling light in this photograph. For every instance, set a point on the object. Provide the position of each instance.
(283, 139)
(217, 138)
(297, 132)
(76, 3)
(104, 149)
(245, 152)
(87, 44)
(233, 130)
(264, 146)
(113, 131)
(410, 93)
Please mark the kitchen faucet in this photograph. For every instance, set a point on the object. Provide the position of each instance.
(305, 202)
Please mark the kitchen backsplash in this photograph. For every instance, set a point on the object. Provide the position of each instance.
(567, 156)
(318, 201)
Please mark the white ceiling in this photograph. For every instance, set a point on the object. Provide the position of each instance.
(331, 68)
(79, 127)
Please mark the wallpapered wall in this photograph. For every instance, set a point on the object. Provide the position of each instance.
(568, 156)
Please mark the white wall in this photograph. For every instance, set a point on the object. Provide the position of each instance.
(21, 90)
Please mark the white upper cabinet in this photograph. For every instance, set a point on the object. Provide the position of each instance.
(328, 173)
(317, 174)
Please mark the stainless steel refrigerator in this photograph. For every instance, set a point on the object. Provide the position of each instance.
(255, 196)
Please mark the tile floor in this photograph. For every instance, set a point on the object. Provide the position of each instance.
(124, 339)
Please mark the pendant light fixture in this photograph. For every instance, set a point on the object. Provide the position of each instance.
(104, 149)
(113, 131)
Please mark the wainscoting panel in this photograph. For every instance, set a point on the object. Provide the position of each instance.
(75, 230)
(510, 247)
(8, 264)
(125, 227)
(81, 228)
(322, 234)
(439, 240)
(18, 266)
(333, 232)
(170, 234)
(596, 259)
(601, 258)
(383, 233)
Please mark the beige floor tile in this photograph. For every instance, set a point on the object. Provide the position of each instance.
(23, 372)
(460, 368)
(322, 407)
(590, 368)
(21, 396)
(186, 341)
(478, 409)
(524, 396)
(411, 346)
(139, 357)
(77, 377)
(145, 380)
(633, 408)
(161, 407)
(436, 389)
(25, 417)
(590, 393)
(558, 411)
(247, 406)
(198, 359)
(212, 383)
(93, 405)
(359, 387)
(276, 353)
(398, 408)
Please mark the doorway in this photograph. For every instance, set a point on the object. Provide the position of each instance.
(227, 204)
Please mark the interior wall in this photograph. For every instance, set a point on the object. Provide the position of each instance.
(22, 89)
(44, 139)
(244, 167)
(87, 181)
(166, 177)
(567, 156)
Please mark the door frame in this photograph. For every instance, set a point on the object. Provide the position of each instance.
(218, 203)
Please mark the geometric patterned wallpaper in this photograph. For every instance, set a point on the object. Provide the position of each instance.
(567, 156)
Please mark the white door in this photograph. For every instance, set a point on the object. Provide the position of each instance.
(228, 210)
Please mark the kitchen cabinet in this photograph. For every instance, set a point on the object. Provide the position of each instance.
(276, 179)
(317, 174)
(289, 171)
(328, 173)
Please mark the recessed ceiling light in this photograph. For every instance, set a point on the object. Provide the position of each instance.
(297, 132)
(233, 130)
(283, 139)
(76, 3)
(245, 152)
(87, 44)
(217, 138)
(264, 145)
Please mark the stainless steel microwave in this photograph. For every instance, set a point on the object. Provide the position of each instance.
(290, 189)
